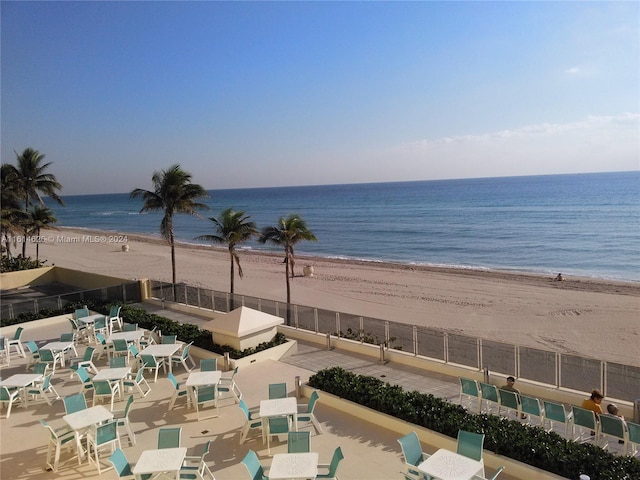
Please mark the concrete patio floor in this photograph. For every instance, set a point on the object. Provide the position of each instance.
(370, 451)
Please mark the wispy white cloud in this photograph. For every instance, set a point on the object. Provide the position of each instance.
(572, 71)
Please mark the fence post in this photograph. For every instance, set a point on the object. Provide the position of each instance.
(558, 370)
(603, 378)
(445, 343)
(295, 315)
(329, 341)
(415, 340)
(227, 361)
(382, 353)
(338, 323)
(479, 352)
(35, 305)
(387, 335)
(199, 304)
(298, 386)
(315, 319)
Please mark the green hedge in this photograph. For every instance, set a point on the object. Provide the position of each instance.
(525, 443)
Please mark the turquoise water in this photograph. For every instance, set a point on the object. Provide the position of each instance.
(586, 224)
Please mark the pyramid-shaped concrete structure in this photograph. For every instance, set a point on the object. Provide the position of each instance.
(243, 328)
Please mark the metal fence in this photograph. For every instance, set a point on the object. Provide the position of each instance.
(543, 366)
(126, 292)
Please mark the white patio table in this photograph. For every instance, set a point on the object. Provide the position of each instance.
(91, 319)
(278, 407)
(202, 379)
(113, 375)
(81, 420)
(62, 347)
(294, 466)
(162, 350)
(164, 460)
(447, 465)
(21, 381)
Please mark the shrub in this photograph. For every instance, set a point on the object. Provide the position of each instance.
(525, 443)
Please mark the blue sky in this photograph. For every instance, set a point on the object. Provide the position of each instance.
(254, 94)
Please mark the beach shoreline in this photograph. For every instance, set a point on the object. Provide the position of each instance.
(595, 318)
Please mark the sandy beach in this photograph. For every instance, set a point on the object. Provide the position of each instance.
(589, 317)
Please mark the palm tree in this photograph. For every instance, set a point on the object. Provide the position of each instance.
(39, 218)
(31, 180)
(231, 228)
(11, 215)
(172, 193)
(289, 231)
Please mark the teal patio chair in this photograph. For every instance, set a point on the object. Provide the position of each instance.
(124, 425)
(32, 348)
(105, 435)
(81, 313)
(58, 438)
(195, 467)
(208, 364)
(169, 339)
(149, 362)
(5, 358)
(633, 445)
(470, 445)
(470, 389)
(85, 361)
(179, 390)
(277, 390)
(332, 468)
(117, 362)
(584, 426)
(40, 368)
(169, 437)
(47, 356)
(276, 426)
(42, 389)
(509, 401)
(306, 412)
(130, 327)
(120, 348)
(250, 422)
(495, 474)
(298, 442)
(413, 455)
(183, 357)
(205, 395)
(137, 382)
(227, 387)
(122, 466)
(555, 412)
(8, 397)
(114, 320)
(612, 427)
(104, 346)
(85, 379)
(74, 403)
(489, 396)
(100, 327)
(532, 407)
(105, 389)
(252, 463)
(16, 342)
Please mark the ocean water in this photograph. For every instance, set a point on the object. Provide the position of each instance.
(582, 224)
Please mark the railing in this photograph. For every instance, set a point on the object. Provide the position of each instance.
(126, 292)
(555, 369)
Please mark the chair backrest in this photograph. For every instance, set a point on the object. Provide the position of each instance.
(46, 383)
(298, 442)
(83, 375)
(531, 405)
(120, 463)
(101, 339)
(82, 312)
(114, 311)
(208, 364)
(107, 432)
(243, 406)
(470, 444)
(252, 462)
(489, 392)
(117, 362)
(583, 417)
(74, 403)
(149, 361)
(66, 337)
(335, 461)
(169, 338)
(411, 449)
(634, 432)
(469, 387)
(509, 399)
(185, 350)
(88, 354)
(171, 378)
(102, 387)
(18, 333)
(32, 346)
(169, 437)
(5, 395)
(278, 425)
(313, 399)
(100, 323)
(277, 390)
(612, 425)
(555, 411)
(128, 405)
(40, 368)
(120, 345)
(133, 350)
(130, 327)
(46, 355)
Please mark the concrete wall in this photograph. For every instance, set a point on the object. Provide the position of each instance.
(35, 276)
(44, 275)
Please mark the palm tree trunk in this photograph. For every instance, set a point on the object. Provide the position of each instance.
(37, 244)
(231, 270)
(173, 264)
(288, 291)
